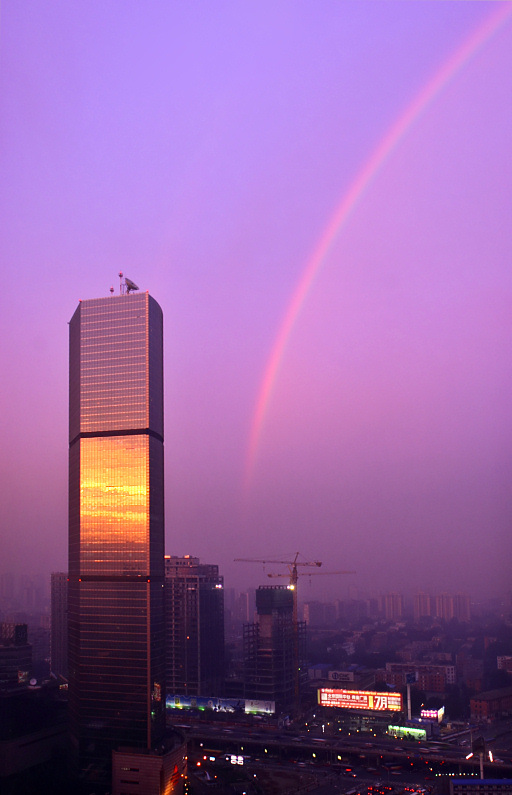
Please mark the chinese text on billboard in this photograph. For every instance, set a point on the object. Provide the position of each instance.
(360, 699)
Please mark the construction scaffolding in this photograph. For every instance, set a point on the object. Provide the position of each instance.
(273, 647)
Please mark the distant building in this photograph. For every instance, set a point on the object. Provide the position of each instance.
(7, 587)
(422, 606)
(244, 606)
(473, 673)
(314, 613)
(356, 610)
(229, 600)
(392, 606)
(59, 624)
(504, 663)
(416, 650)
(444, 606)
(15, 656)
(318, 614)
(274, 649)
(194, 600)
(492, 705)
(448, 606)
(433, 678)
(39, 639)
(462, 607)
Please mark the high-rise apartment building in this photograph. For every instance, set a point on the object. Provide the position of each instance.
(244, 606)
(461, 607)
(392, 606)
(450, 606)
(422, 606)
(444, 606)
(194, 597)
(59, 623)
(116, 529)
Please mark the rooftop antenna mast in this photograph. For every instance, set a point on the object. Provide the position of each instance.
(121, 285)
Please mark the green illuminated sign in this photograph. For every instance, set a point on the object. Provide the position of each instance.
(407, 731)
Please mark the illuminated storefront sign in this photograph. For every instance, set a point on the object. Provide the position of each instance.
(260, 707)
(433, 714)
(359, 699)
(407, 731)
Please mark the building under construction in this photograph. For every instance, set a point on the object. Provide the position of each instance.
(274, 649)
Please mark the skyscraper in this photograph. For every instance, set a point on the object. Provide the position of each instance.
(194, 594)
(116, 529)
(59, 623)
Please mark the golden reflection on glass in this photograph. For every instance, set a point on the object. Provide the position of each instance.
(113, 365)
(116, 649)
(114, 505)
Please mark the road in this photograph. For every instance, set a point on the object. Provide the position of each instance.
(350, 763)
(321, 746)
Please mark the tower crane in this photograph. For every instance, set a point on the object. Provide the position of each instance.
(293, 573)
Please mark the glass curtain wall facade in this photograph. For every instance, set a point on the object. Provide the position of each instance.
(194, 600)
(116, 528)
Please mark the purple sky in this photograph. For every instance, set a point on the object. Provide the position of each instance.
(202, 148)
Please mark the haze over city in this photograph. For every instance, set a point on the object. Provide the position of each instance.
(318, 197)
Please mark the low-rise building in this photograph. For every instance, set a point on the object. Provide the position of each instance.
(15, 656)
(492, 704)
(431, 678)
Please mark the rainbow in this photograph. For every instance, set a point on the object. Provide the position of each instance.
(347, 205)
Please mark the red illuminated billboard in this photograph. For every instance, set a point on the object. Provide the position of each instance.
(360, 699)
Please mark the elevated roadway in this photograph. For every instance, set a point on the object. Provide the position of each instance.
(331, 747)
